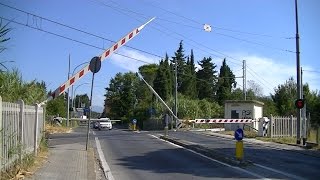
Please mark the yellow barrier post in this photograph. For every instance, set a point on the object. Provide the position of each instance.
(134, 121)
(239, 150)
(238, 135)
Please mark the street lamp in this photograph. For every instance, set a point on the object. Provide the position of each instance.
(73, 93)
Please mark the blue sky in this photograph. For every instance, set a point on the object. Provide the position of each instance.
(269, 23)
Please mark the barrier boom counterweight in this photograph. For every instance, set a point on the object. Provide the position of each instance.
(81, 73)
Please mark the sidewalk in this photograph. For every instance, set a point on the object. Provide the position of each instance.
(68, 158)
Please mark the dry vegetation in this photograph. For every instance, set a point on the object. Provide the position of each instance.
(53, 129)
(30, 163)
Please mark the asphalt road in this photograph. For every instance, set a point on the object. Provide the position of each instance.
(138, 156)
(291, 162)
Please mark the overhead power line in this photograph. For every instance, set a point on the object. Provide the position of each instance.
(86, 44)
(256, 43)
(311, 71)
(76, 29)
(257, 78)
(199, 44)
(68, 38)
(214, 27)
(93, 46)
(61, 24)
(186, 18)
(174, 32)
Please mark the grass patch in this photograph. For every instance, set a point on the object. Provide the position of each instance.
(29, 164)
(247, 134)
(208, 126)
(282, 140)
(53, 129)
(317, 148)
(312, 135)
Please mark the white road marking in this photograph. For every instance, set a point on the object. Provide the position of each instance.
(280, 172)
(93, 132)
(265, 167)
(234, 167)
(165, 141)
(105, 166)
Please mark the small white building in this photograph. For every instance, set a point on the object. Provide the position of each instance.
(242, 109)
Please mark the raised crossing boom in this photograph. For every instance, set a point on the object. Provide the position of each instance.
(81, 73)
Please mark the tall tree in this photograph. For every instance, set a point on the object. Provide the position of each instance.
(81, 101)
(206, 79)
(57, 107)
(284, 98)
(269, 106)
(255, 87)
(149, 73)
(180, 59)
(225, 83)
(161, 82)
(188, 87)
(121, 96)
(312, 103)
(168, 75)
(236, 94)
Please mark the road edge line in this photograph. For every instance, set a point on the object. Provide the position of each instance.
(204, 156)
(279, 172)
(104, 164)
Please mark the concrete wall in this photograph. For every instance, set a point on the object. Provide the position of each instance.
(244, 110)
(258, 113)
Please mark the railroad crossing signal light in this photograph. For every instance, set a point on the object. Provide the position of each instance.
(299, 103)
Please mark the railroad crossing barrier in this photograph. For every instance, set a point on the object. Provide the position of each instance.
(223, 121)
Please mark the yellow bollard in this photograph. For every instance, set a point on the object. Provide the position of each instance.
(166, 131)
(239, 150)
(134, 127)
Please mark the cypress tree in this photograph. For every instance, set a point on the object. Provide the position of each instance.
(188, 87)
(179, 58)
(225, 83)
(206, 79)
(168, 75)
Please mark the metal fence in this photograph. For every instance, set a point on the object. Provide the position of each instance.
(21, 128)
(283, 126)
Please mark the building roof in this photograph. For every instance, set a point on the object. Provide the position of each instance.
(244, 101)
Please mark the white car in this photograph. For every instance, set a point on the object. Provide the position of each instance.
(105, 123)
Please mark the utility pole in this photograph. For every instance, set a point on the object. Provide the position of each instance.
(303, 113)
(244, 80)
(298, 75)
(176, 91)
(68, 99)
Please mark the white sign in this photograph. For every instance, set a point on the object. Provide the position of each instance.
(207, 27)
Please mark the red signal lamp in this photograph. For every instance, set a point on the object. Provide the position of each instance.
(299, 103)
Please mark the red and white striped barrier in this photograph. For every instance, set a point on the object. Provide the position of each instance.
(223, 121)
(62, 88)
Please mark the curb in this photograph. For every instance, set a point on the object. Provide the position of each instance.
(90, 164)
(207, 152)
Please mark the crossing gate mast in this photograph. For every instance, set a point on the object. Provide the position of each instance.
(81, 73)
